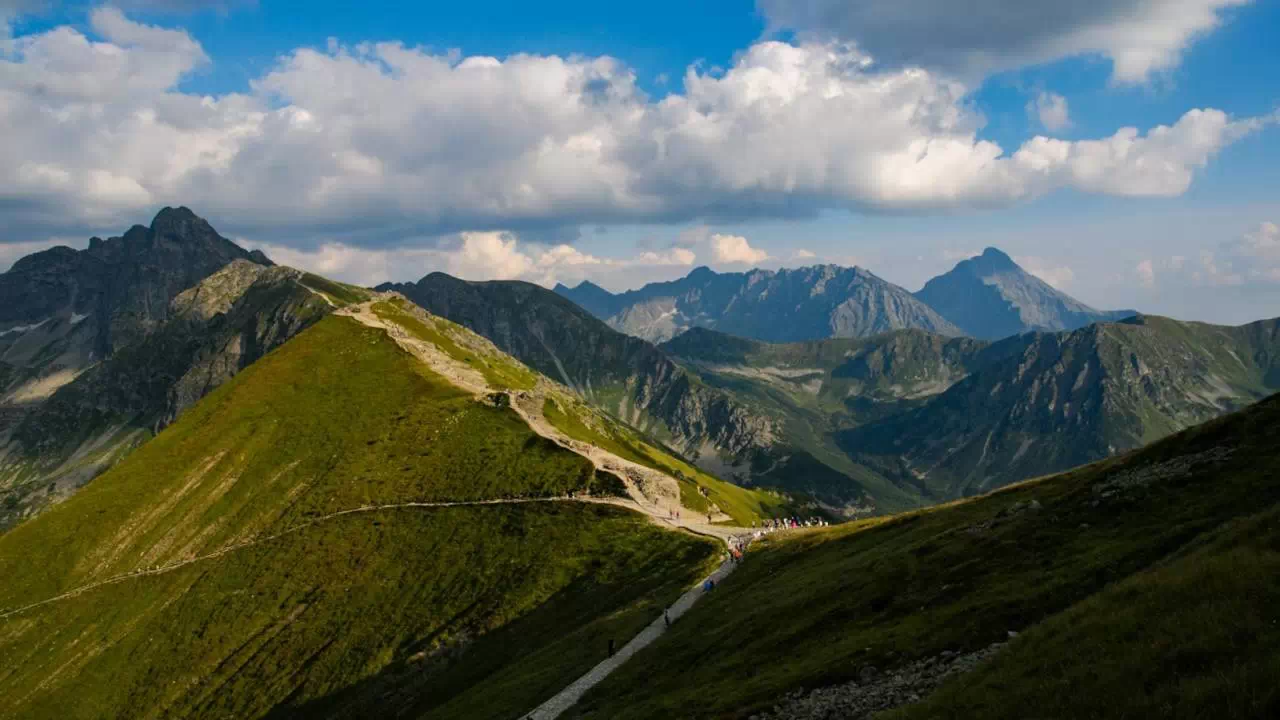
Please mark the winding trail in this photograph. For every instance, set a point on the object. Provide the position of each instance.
(650, 493)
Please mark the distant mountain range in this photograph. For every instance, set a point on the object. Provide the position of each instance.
(779, 306)
(103, 347)
(987, 297)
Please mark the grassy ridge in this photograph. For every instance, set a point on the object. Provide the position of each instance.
(339, 293)
(499, 372)
(338, 418)
(813, 609)
(744, 506)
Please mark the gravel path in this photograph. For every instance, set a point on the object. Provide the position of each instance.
(569, 696)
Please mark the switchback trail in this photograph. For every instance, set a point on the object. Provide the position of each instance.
(708, 530)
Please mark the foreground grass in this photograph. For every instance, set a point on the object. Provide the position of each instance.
(742, 505)
(311, 623)
(814, 609)
(1196, 637)
(402, 601)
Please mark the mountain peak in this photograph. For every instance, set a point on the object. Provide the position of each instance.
(179, 222)
(700, 272)
(996, 259)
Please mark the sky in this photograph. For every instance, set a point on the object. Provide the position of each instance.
(1126, 151)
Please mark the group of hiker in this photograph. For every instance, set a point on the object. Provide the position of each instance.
(791, 523)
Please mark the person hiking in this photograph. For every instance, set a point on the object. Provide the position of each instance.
(610, 647)
(666, 617)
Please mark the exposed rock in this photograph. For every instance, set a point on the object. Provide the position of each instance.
(873, 692)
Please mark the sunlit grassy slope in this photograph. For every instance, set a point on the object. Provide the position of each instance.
(1143, 586)
(582, 422)
(286, 608)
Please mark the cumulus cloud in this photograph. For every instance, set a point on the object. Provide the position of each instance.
(1140, 37)
(734, 249)
(486, 255)
(1146, 272)
(1253, 259)
(1051, 110)
(379, 142)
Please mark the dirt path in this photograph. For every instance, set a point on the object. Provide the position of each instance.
(655, 492)
(568, 697)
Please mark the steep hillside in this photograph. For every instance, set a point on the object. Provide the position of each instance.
(638, 384)
(779, 306)
(61, 310)
(358, 524)
(992, 297)
(816, 389)
(1041, 403)
(212, 331)
(1142, 586)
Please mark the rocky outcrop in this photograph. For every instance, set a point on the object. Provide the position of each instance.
(210, 332)
(62, 310)
(874, 692)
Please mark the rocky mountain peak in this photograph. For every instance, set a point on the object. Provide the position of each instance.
(180, 224)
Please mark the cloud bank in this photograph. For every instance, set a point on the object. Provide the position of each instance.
(976, 37)
(374, 143)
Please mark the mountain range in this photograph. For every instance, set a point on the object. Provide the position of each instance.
(880, 423)
(987, 297)
(778, 306)
(268, 494)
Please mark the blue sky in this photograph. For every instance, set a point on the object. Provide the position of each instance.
(1178, 225)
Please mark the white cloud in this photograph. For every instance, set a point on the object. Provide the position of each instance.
(1146, 273)
(1051, 110)
(380, 142)
(803, 254)
(472, 256)
(1140, 37)
(958, 255)
(1253, 259)
(734, 249)
(1059, 276)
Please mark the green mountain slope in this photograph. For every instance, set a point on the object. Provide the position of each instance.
(1041, 403)
(1077, 568)
(264, 555)
(636, 383)
(816, 389)
(211, 332)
